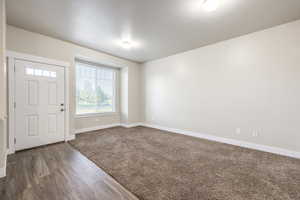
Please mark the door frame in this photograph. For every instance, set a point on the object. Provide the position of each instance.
(11, 57)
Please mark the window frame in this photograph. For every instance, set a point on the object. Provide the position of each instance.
(115, 97)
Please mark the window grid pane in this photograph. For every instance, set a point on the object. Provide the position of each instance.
(95, 89)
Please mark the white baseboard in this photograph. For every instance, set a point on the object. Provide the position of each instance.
(265, 148)
(70, 137)
(3, 169)
(131, 125)
(95, 128)
(2, 172)
(10, 151)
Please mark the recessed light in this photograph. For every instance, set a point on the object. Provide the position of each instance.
(126, 44)
(211, 5)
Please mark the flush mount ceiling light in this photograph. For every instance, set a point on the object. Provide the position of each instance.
(210, 5)
(126, 44)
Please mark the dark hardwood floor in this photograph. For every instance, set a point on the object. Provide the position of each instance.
(58, 172)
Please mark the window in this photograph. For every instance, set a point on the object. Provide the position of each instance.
(39, 72)
(95, 89)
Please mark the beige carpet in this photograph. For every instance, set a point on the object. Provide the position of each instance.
(157, 165)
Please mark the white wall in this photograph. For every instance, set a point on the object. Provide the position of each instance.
(251, 82)
(3, 77)
(35, 44)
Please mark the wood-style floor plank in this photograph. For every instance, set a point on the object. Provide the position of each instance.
(58, 172)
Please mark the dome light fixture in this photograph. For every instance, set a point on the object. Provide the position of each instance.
(211, 5)
(126, 44)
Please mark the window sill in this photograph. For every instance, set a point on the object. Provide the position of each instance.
(97, 115)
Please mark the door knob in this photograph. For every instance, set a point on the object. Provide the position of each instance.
(62, 110)
(62, 104)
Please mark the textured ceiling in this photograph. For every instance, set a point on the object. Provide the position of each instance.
(159, 28)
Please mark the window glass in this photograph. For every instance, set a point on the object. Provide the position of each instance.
(95, 89)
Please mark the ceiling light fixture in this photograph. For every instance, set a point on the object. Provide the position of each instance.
(211, 5)
(126, 44)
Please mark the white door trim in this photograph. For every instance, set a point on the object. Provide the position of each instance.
(12, 56)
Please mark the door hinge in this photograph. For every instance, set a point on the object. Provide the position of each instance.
(15, 141)
(14, 68)
(15, 104)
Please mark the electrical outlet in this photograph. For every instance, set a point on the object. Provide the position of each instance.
(255, 133)
(238, 131)
(258, 131)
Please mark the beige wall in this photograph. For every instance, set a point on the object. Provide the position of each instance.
(124, 95)
(2, 84)
(35, 44)
(131, 100)
(2, 60)
(134, 98)
(251, 82)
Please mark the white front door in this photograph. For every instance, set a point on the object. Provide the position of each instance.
(40, 101)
